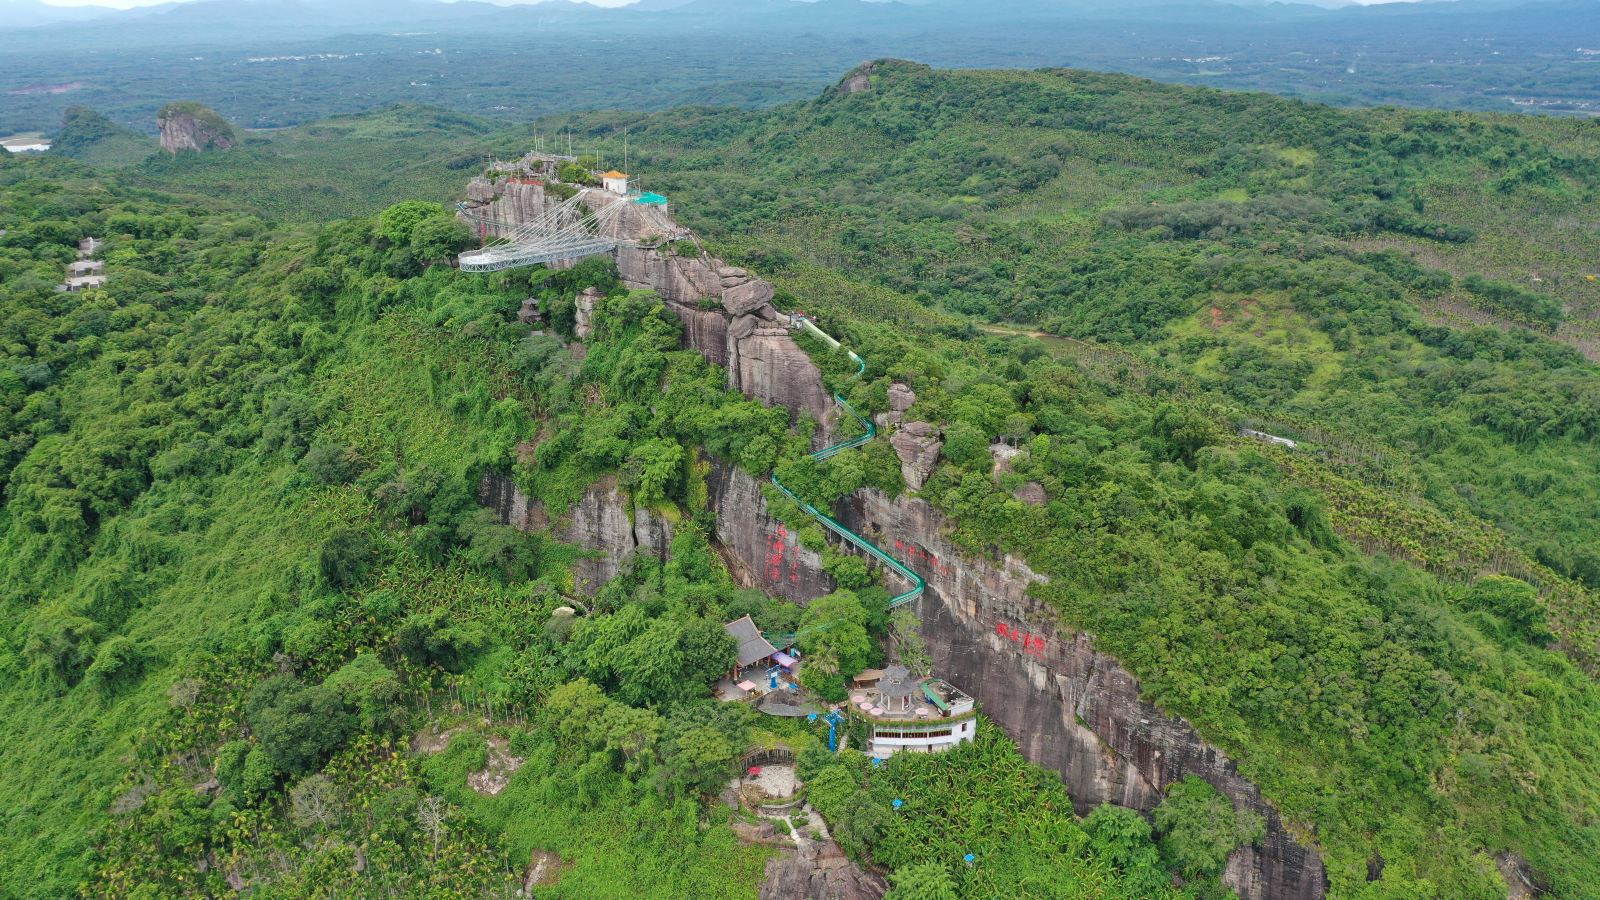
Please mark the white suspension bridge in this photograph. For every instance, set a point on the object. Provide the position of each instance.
(571, 230)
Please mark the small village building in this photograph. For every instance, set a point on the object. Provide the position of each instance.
(615, 182)
(86, 267)
(903, 713)
(755, 651)
(85, 282)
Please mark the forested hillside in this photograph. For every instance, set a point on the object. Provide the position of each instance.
(1315, 270)
(1407, 294)
(259, 632)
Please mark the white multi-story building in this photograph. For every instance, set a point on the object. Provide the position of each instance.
(917, 715)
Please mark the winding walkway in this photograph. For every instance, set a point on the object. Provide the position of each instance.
(918, 586)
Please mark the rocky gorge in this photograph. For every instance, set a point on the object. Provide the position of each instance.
(1069, 707)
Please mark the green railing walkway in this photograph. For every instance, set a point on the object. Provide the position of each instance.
(829, 522)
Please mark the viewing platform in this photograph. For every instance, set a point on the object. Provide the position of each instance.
(919, 715)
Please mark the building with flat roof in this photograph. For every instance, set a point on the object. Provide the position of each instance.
(921, 715)
(84, 283)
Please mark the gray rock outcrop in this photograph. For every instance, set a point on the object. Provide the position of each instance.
(918, 445)
(764, 552)
(192, 127)
(819, 872)
(583, 325)
(858, 80)
(1032, 494)
(602, 522)
(1068, 706)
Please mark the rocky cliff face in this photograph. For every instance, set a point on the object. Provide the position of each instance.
(192, 127)
(1068, 706)
(603, 522)
(766, 552)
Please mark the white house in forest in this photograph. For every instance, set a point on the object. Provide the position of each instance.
(917, 715)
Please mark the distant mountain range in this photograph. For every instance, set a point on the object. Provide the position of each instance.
(345, 13)
(271, 63)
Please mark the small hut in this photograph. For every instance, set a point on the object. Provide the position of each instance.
(753, 648)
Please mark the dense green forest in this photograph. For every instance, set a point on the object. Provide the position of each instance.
(1300, 266)
(241, 497)
(1407, 294)
(259, 630)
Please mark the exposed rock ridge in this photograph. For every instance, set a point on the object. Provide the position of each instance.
(1069, 707)
(727, 313)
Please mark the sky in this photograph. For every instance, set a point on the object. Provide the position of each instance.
(129, 4)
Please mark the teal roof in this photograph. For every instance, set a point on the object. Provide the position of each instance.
(651, 198)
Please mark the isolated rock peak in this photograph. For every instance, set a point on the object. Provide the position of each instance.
(187, 125)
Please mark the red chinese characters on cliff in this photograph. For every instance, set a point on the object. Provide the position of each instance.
(779, 560)
(912, 554)
(1032, 644)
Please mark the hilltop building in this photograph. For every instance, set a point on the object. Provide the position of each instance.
(918, 715)
(615, 182)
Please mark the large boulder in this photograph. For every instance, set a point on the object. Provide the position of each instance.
(918, 445)
(901, 397)
(747, 296)
(480, 189)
